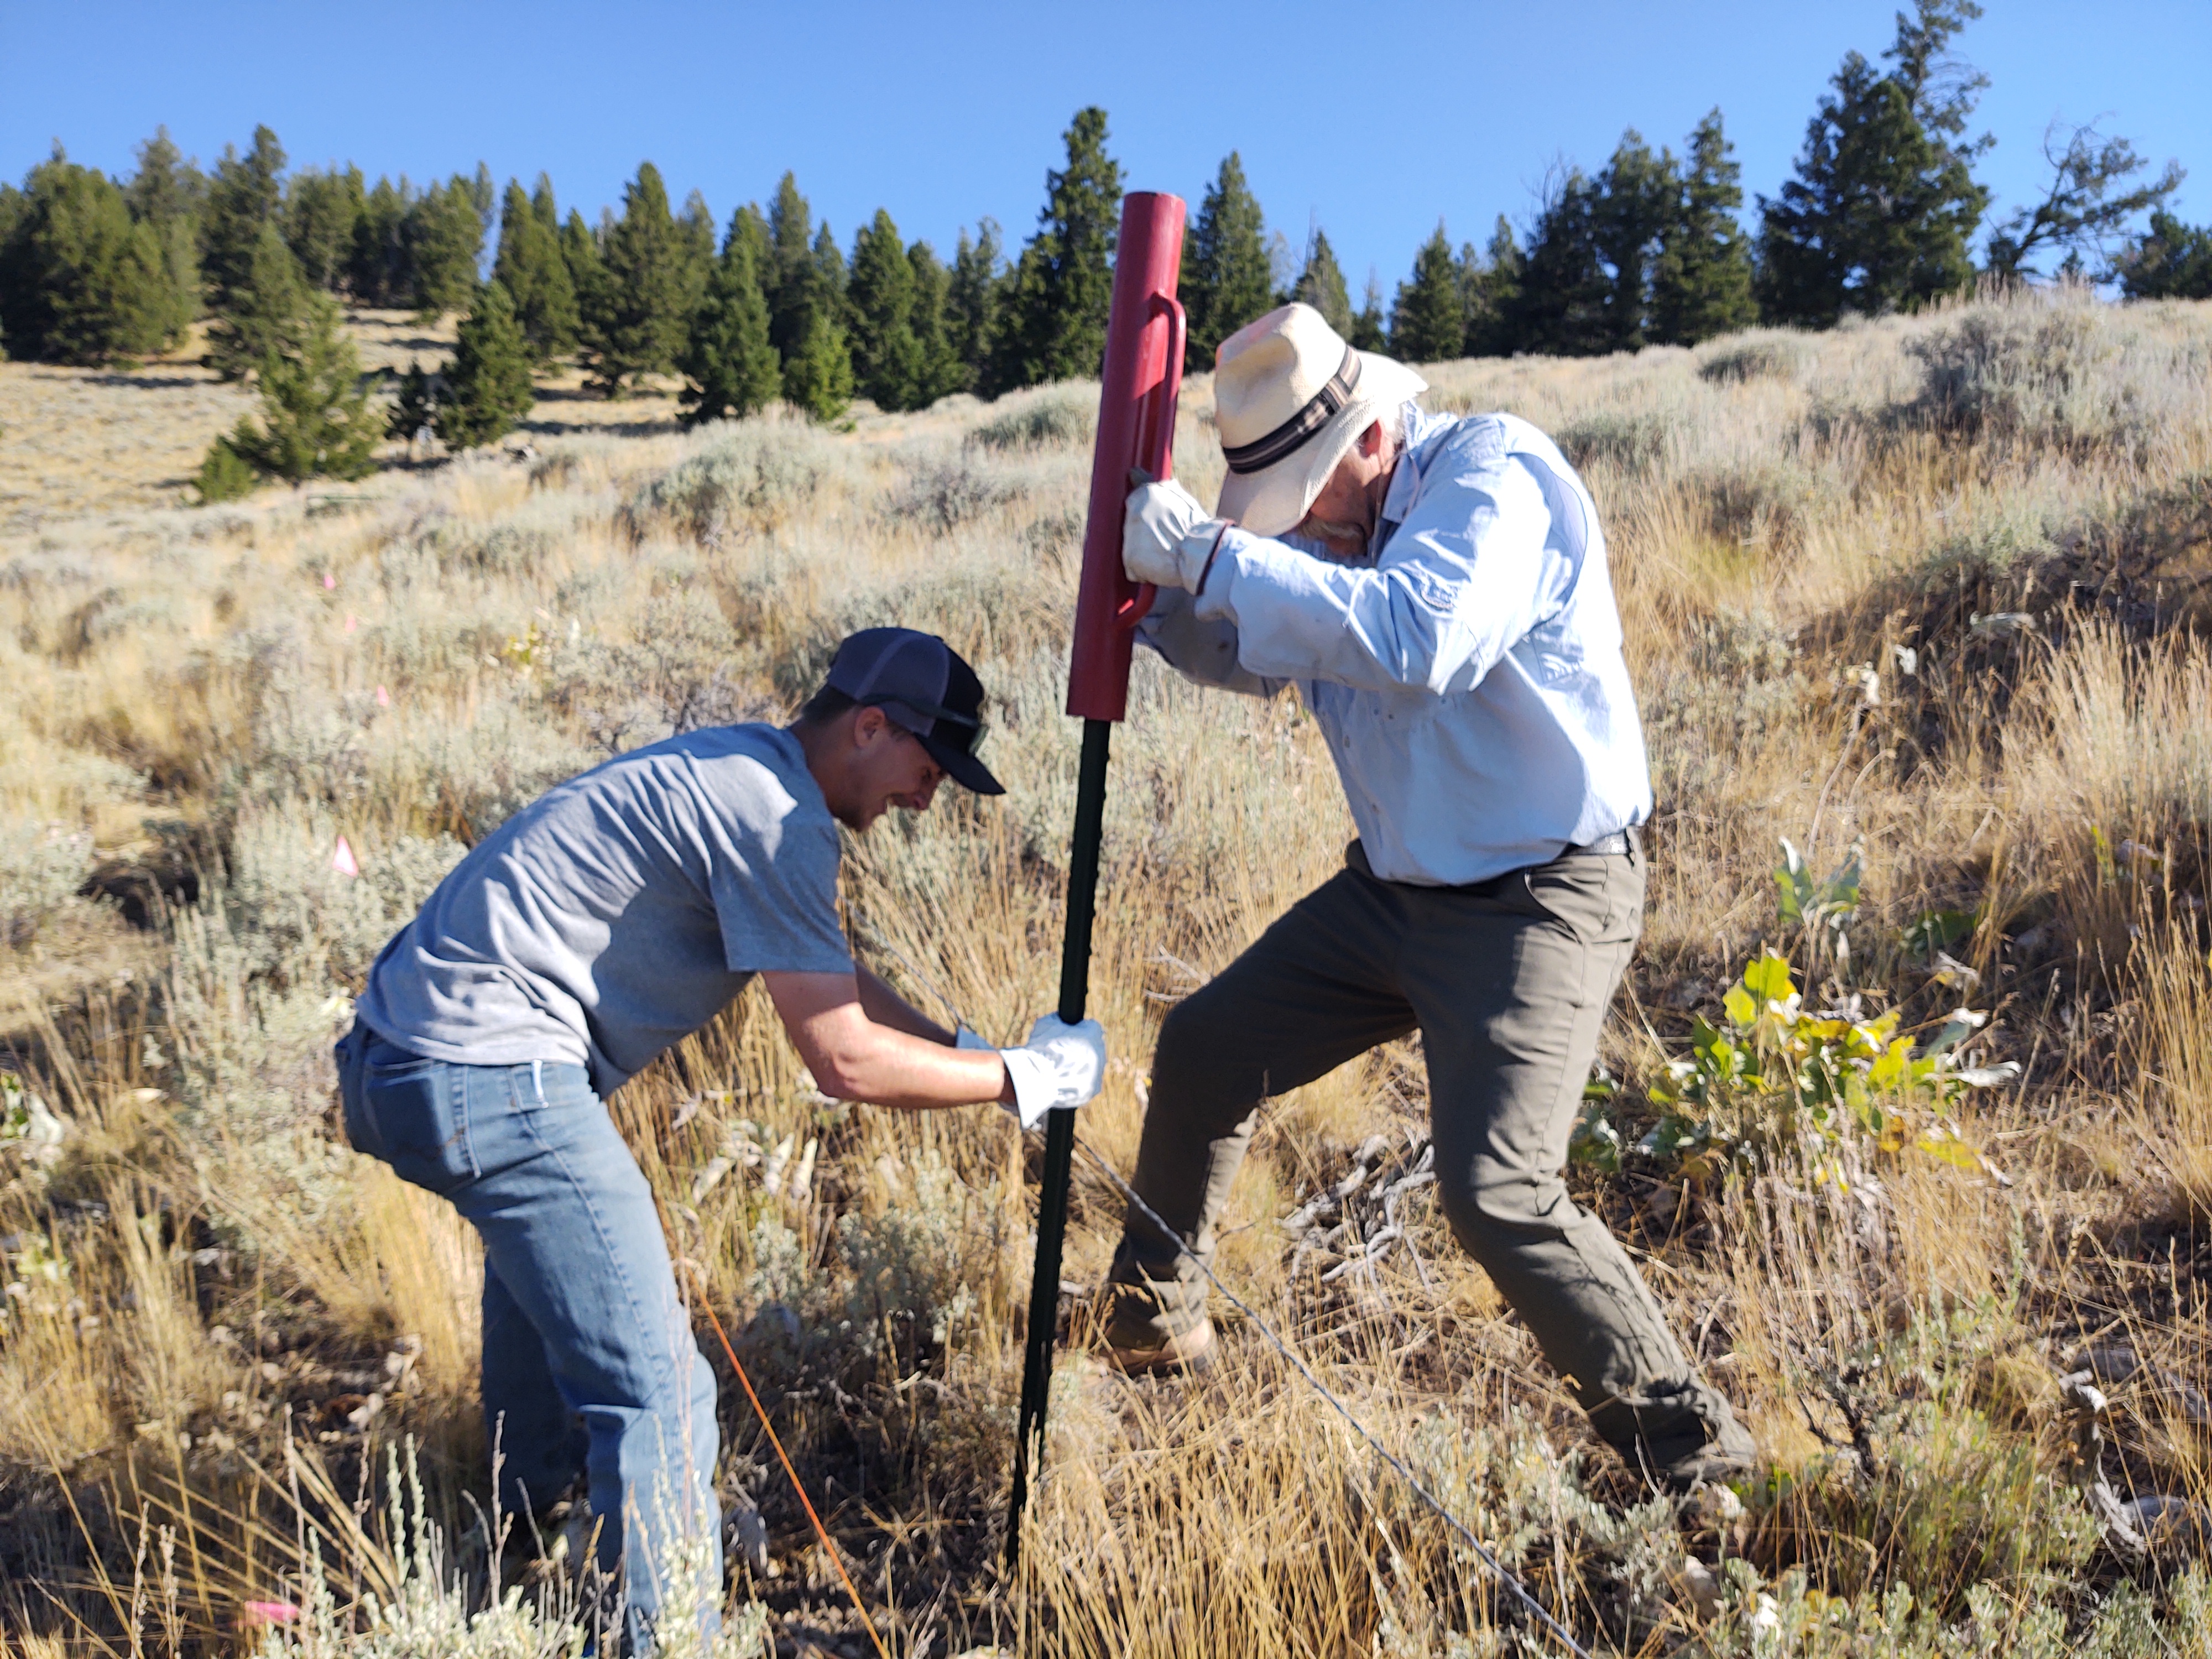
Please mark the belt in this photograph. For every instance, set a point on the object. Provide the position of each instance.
(1621, 843)
(1618, 845)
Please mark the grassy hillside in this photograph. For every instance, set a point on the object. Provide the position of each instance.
(1925, 593)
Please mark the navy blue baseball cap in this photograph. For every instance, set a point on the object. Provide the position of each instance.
(921, 684)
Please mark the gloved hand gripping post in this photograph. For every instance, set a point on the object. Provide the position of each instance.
(1142, 377)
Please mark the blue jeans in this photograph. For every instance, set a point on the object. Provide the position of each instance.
(588, 1361)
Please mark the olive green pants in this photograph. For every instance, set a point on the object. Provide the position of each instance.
(1508, 982)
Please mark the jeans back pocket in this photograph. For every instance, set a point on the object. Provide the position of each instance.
(418, 1114)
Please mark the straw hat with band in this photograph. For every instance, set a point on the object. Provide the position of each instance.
(1291, 398)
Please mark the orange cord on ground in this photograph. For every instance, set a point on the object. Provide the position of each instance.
(820, 1531)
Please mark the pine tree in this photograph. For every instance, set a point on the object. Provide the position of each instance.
(1491, 289)
(444, 238)
(490, 376)
(971, 307)
(13, 208)
(942, 371)
(315, 419)
(243, 197)
(729, 363)
(529, 266)
(1054, 326)
(167, 194)
(749, 226)
(484, 195)
(1701, 283)
(2172, 261)
(587, 271)
(1634, 212)
(377, 274)
(790, 276)
(1565, 289)
(637, 315)
(81, 281)
(321, 212)
(1227, 278)
(819, 379)
(267, 312)
(888, 365)
(1321, 285)
(415, 404)
(167, 188)
(694, 242)
(1367, 333)
(1428, 320)
(817, 375)
(2088, 201)
(1884, 203)
(830, 277)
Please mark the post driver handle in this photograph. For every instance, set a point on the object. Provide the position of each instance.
(1156, 437)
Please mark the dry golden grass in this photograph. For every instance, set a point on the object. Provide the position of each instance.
(1811, 537)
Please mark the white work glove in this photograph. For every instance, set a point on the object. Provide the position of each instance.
(1167, 536)
(1061, 1066)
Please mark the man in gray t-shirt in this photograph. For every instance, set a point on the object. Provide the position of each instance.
(622, 911)
(604, 922)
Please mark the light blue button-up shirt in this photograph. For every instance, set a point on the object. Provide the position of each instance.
(1466, 674)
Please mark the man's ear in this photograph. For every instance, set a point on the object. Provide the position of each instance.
(868, 723)
(1370, 442)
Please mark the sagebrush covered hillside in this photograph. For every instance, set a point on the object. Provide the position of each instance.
(1923, 596)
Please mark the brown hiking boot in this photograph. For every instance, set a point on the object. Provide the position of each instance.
(1716, 1464)
(1678, 1436)
(1175, 1356)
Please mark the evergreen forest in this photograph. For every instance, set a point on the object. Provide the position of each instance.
(1882, 213)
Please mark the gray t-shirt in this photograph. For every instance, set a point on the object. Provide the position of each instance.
(622, 911)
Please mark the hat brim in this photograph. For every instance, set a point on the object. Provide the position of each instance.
(962, 767)
(1274, 499)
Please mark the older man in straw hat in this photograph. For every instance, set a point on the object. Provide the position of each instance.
(1436, 589)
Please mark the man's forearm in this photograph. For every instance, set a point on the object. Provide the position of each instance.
(882, 1067)
(855, 1057)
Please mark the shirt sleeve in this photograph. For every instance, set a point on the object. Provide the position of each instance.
(1459, 582)
(778, 904)
(1203, 651)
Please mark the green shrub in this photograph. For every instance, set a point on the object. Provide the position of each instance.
(751, 479)
(2065, 371)
(432, 1609)
(1633, 442)
(1764, 354)
(1057, 418)
(1767, 503)
(1774, 1079)
(937, 495)
(224, 475)
(41, 871)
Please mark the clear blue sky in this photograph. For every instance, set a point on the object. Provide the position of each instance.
(943, 113)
